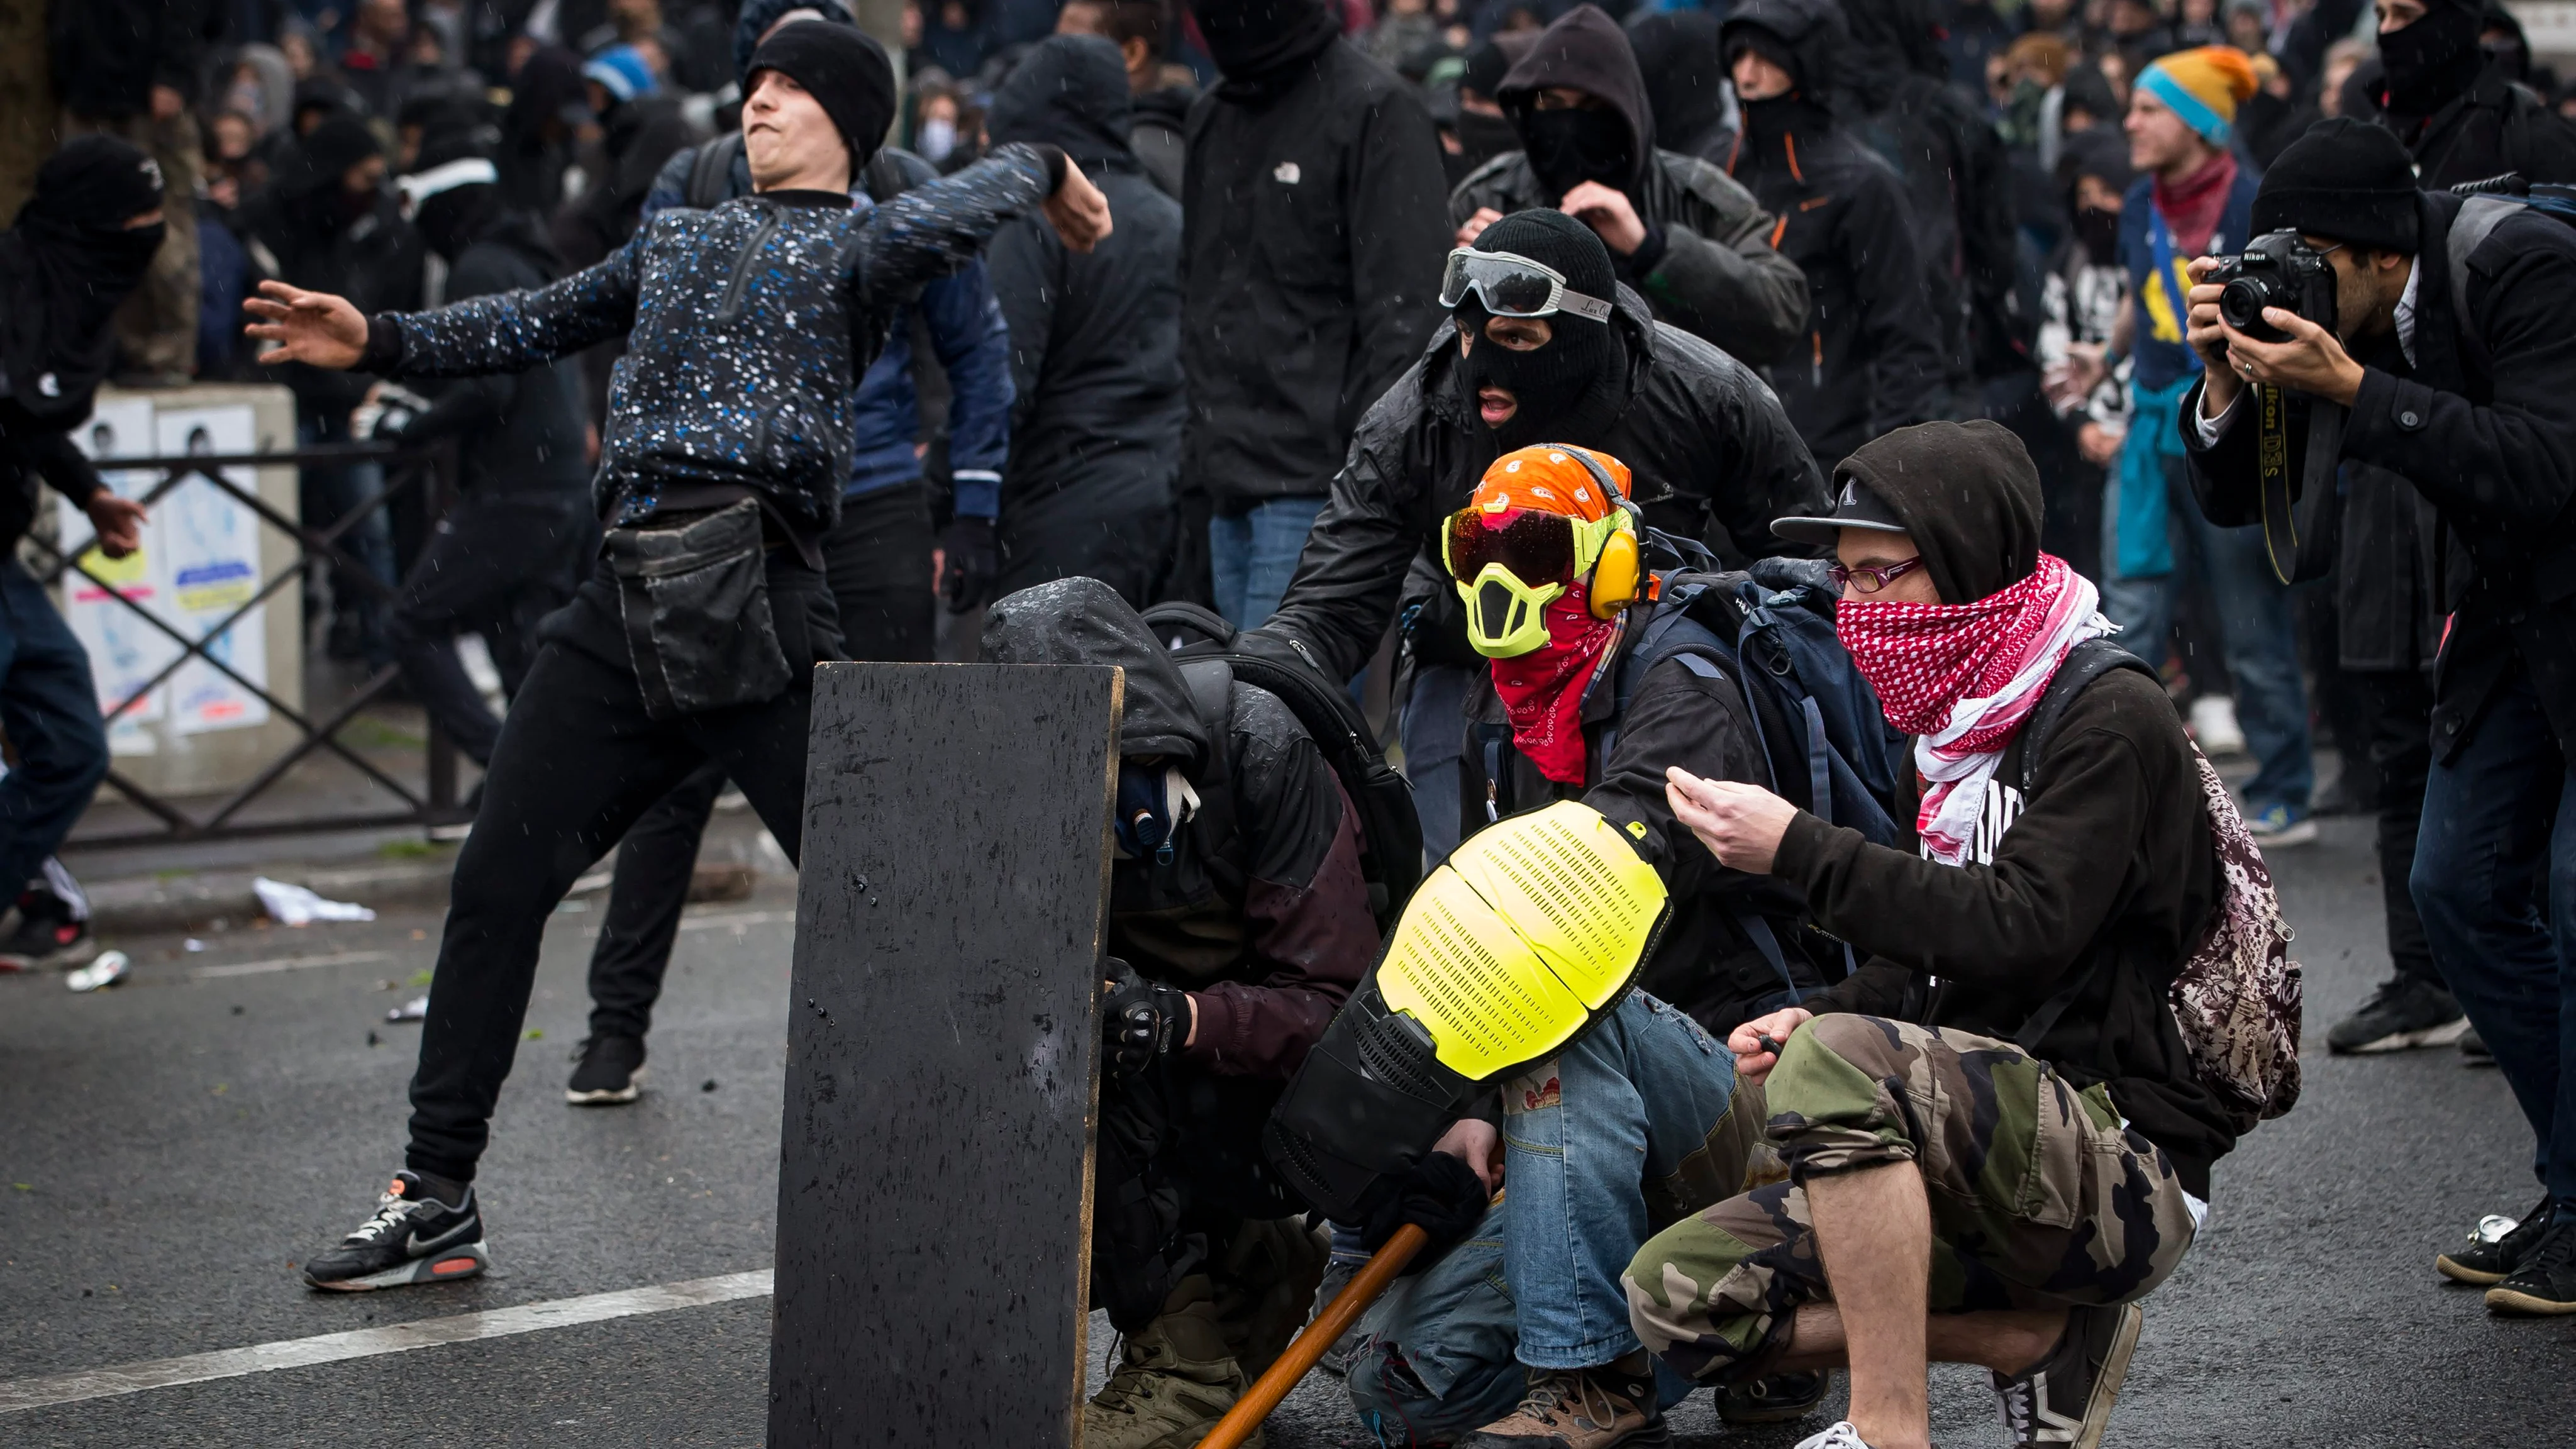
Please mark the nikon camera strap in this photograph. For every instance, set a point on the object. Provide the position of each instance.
(2299, 524)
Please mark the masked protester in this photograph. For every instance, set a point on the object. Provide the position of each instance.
(79, 247)
(2456, 105)
(1484, 132)
(1548, 559)
(1687, 237)
(2031, 943)
(515, 544)
(1238, 924)
(728, 438)
(1097, 407)
(877, 559)
(1685, 73)
(1311, 252)
(1544, 345)
(1872, 358)
(2083, 298)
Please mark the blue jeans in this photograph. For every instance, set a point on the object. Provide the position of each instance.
(2258, 637)
(50, 709)
(2495, 880)
(1435, 735)
(1449, 1349)
(1251, 556)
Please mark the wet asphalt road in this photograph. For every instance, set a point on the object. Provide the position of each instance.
(169, 1150)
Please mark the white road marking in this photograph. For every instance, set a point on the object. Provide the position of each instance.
(229, 1363)
(735, 918)
(286, 963)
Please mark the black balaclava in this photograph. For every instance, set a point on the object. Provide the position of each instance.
(65, 265)
(2101, 152)
(340, 142)
(1250, 39)
(846, 71)
(2434, 59)
(1612, 143)
(455, 218)
(1969, 497)
(1481, 136)
(1767, 122)
(1572, 389)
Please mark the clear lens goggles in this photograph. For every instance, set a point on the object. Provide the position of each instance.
(1513, 286)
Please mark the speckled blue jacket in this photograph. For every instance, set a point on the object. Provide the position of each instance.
(748, 325)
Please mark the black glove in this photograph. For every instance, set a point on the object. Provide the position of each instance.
(1142, 1020)
(974, 562)
(1440, 1194)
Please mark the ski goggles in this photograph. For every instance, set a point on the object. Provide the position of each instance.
(1509, 566)
(1513, 286)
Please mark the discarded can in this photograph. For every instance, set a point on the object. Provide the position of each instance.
(107, 970)
(2492, 1228)
(412, 1010)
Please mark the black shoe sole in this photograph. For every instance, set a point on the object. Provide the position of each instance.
(449, 1266)
(1776, 1411)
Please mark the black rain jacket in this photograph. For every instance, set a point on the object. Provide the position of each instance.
(1312, 247)
(519, 432)
(2483, 423)
(1707, 264)
(1705, 443)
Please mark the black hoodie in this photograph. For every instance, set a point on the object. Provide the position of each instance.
(520, 432)
(1874, 357)
(1261, 910)
(1707, 265)
(1098, 406)
(2106, 875)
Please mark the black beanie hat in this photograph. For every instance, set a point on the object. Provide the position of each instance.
(2345, 179)
(93, 182)
(1556, 240)
(846, 71)
(340, 142)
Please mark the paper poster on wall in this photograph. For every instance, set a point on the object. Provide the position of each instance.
(125, 651)
(210, 566)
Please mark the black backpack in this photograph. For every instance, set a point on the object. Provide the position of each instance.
(1212, 656)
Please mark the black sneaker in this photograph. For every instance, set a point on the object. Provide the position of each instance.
(1776, 1399)
(2067, 1398)
(413, 1238)
(2473, 1050)
(2401, 1015)
(2495, 1248)
(2544, 1283)
(46, 941)
(605, 1071)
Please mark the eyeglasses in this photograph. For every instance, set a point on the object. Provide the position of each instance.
(1533, 545)
(1514, 286)
(1869, 578)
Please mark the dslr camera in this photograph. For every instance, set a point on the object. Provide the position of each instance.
(2276, 269)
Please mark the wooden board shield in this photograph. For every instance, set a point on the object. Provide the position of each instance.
(934, 1182)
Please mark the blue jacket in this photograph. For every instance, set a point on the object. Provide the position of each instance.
(725, 382)
(966, 331)
(2162, 359)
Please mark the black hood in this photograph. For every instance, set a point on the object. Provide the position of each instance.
(1083, 621)
(1685, 75)
(1254, 40)
(1588, 51)
(1890, 40)
(1969, 495)
(66, 263)
(1812, 31)
(1070, 91)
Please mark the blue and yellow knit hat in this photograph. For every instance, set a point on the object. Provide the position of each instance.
(2204, 87)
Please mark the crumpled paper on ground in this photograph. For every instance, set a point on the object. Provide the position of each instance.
(293, 905)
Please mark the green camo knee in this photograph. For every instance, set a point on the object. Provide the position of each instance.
(1822, 1106)
(1673, 1288)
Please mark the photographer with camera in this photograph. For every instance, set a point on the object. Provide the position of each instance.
(2453, 346)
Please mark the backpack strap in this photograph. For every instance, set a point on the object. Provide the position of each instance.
(711, 172)
(2083, 664)
(2479, 217)
(1211, 682)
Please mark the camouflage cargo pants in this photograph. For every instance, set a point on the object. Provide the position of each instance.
(2039, 1197)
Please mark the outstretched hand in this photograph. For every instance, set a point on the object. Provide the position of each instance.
(309, 327)
(1077, 210)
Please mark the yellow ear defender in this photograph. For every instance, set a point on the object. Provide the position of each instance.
(1618, 572)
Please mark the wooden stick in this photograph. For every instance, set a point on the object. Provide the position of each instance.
(1329, 1325)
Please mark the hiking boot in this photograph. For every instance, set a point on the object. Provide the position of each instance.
(2401, 1015)
(2066, 1398)
(2544, 1282)
(1775, 1399)
(1594, 1408)
(1337, 1275)
(1173, 1382)
(2496, 1247)
(1265, 1279)
(605, 1069)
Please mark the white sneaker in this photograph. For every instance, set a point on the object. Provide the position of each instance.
(2213, 724)
(1840, 1436)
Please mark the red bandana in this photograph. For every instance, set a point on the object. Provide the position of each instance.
(1962, 677)
(2191, 210)
(1543, 690)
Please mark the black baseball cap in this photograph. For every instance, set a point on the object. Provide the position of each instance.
(1854, 507)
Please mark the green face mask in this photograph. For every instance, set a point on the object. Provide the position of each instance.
(1506, 618)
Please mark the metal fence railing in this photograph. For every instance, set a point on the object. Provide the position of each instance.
(435, 802)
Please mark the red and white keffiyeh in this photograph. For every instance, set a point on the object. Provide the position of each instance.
(1962, 677)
